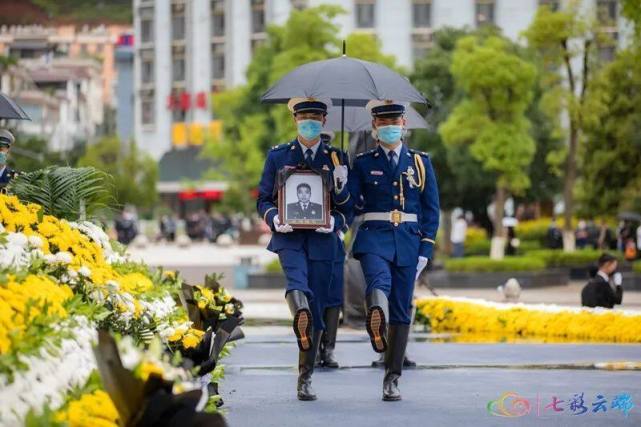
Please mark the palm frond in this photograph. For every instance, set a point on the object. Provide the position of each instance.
(65, 192)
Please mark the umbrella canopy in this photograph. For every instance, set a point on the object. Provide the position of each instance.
(358, 119)
(630, 216)
(10, 110)
(353, 81)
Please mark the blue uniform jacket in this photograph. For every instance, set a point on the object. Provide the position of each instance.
(375, 187)
(6, 176)
(320, 246)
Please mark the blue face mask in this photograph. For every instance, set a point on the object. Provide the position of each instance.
(390, 134)
(309, 129)
(3, 158)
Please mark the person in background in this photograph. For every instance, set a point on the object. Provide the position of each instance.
(168, 228)
(6, 173)
(554, 237)
(457, 237)
(581, 235)
(605, 288)
(126, 226)
(606, 240)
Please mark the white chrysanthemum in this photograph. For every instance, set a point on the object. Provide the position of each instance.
(50, 258)
(17, 239)
(64, 257)
(84, 271)
(35, 241)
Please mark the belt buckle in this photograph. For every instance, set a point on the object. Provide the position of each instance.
(395, 217)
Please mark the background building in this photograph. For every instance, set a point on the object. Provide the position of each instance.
(186, 49)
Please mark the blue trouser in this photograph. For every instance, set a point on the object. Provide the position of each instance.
(396, 282)
(310, 277)
(335, 294)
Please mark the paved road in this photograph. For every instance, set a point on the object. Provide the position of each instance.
(452, 386)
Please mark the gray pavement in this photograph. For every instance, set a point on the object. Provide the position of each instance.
(451, 386)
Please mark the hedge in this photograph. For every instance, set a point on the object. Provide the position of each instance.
(485, 264)
(559, 258)
(637, 267)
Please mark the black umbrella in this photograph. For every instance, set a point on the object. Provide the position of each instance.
(358, 119)
(347, 81)
(630, 216)
(10, 110)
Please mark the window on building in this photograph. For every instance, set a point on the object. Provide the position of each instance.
(218, 61)
(608, 46)
(365, 16)
(258, 16)
(218, 18)
(299, 4)
(421, 43)
(147, 70)
(422, 13)
(607, 12)
(146, 24)
(484, 12)
(178, 69)
(178, 21)
(554, 5)
(147, 109)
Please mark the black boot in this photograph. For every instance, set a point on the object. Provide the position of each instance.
(376, 323)
(306, 369)
(299, 307)
(329, 338)
(394, 356)
(408, 363)
(380, 362)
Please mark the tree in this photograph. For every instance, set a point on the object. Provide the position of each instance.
(563, 38)
(250, 128)
(31, 153)
(611, 178)
(498, 87)
(134, 173)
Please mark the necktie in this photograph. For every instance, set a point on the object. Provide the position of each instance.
(392, 159)
(308, 156)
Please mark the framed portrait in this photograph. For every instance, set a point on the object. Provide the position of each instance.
(303, 200)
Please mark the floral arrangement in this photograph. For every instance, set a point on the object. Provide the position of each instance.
(60, 281)
(476, 316)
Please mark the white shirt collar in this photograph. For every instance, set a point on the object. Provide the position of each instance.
(314, 148)
(397, 150)
(604, 276)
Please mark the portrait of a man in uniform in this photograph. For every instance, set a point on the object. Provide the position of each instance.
(304, 208)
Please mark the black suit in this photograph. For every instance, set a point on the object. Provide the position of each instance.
(599, 293)
(296, 211)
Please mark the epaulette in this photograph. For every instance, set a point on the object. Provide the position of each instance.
(372, 151)
(422, 153)
(280, 146)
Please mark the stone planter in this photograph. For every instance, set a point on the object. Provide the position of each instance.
(631, 282)
(527, 279)
(266, 281)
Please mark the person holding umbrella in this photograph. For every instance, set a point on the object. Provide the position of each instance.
(306, 256)
(396, 190)
(6, 173)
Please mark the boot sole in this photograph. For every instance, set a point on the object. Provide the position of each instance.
(306, 398)
(376, 329)
(303, 329)
(391, 398)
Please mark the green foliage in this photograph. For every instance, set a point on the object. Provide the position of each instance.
(134, 173)
(274, 267)
(558, 258)
(118, 11)
(498, 87)
(487, 265)
(64, 192)
(611, 153)
(32, 153)
(636, 266)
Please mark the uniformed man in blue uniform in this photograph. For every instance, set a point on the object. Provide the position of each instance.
(6, 173)
(395, 189)
(306, 256)
(334, 300)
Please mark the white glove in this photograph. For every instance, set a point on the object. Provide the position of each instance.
(422, 262)
(284, 228)
(340, 177)
(327, 230)
(617, 278)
